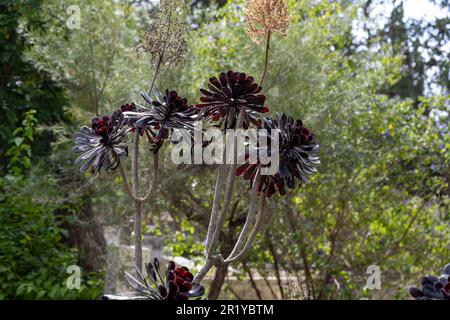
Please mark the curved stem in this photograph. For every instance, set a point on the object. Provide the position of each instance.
(210, 262)
(152, 185)
(250, 216)
(137, 204)
(266, 59)
(215, 207)
(153, 181)
(228, 187)
(251, 239)
(125, 182)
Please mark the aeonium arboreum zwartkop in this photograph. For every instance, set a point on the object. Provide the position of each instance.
(103, 144)
(433, 287)
(232, 101)
(174, 284)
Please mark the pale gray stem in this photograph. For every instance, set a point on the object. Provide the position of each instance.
(137, 204)
(125, 182)
(251, 239)
(228, 188)
(152, 185)
(215, 207)
(153, 181)
(250, 217)
(210, 262)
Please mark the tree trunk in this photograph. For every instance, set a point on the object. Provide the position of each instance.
(86, 234)
(217, 283)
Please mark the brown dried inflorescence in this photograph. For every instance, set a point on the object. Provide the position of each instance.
(264, 16)
(165, 37)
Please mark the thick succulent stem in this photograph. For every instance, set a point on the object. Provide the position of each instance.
(215, 207)
(218, 259)
(266, 59)
(228, 188)
(256, 228)
(137, 204)
(250, 217)
(210, 262)
(153, 181)
(213, 233)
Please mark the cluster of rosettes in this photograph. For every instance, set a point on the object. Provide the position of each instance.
(297, 152)
(434, 288)
(175, 284)
(105, 143)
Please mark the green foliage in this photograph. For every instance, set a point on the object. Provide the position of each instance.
(185, 241)
(19, 153)
(382, 192)
(98, 63)
(24, 87)
(34, 257)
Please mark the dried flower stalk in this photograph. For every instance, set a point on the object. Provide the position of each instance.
(266, 17)
(165, 39)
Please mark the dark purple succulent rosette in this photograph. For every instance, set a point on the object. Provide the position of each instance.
(433, 288)
(175, 284)
(227, 94)
(166, 114)
(297, 156)
(130, 107)
(103, 144)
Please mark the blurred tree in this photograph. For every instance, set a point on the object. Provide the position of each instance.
(34, 257)
(420, 42)
(23, 86)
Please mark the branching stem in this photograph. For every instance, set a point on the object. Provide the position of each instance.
(137, 204)
(250, 217)
(228, 189)
(256, 228)
(215, 207)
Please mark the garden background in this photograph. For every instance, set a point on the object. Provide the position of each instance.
(370, 80)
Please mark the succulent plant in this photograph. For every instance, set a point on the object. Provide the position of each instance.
(433, 288)
(297, 156)
(103, 144)
(227, 94)
(174, 284)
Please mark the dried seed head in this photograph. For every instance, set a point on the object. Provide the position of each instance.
(264, 16)
(165, 37)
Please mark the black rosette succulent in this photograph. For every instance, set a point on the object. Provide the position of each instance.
(103, 144)
(297, 156)
(434, 288)
(175, 284)
(166, 114)
(130, 107)
(227, 94)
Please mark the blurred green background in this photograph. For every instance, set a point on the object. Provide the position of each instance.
(371, 82)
